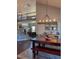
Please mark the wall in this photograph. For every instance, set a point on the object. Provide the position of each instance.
(53, 12)
(40, 28)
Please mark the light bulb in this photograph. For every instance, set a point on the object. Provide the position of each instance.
(43, 21)
(50, 20)
(39, 20)
(46, 20)
(54, 20)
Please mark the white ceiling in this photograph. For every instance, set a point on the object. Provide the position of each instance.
(55, 3)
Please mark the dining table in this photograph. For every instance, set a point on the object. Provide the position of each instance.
(40, 45)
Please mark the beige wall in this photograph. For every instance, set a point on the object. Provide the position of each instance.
(53, 13)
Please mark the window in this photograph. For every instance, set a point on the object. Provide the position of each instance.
(33, 28)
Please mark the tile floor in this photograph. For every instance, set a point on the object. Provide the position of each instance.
(27, 54)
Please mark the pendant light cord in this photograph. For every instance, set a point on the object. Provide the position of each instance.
(46, 7)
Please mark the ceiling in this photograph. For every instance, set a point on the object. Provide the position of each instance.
(29, 6)
(26, 6)
(55, 3)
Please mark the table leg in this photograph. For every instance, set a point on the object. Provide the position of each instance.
(33, 43)
(34, 55)
(43, 45)
(38, 46)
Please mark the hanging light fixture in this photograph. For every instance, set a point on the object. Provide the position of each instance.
(46, 19)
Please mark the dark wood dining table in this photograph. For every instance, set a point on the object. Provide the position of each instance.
(40, 45)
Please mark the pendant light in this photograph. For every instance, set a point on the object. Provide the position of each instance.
(46, 19)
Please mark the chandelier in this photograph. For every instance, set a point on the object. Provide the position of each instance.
(47, 19)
